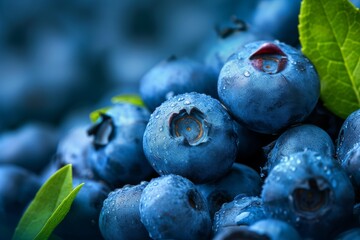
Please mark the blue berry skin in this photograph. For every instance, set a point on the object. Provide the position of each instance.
(298, 139)
(171, 207)
(351, 164)
(239, 232)
(268, 86)
(31, 146)
(230, 40)
(18, 187)
(349, 135)
(275, 229)
(72, 149)
(120, 215)
(348, 148)
(116, 155)
(278, 18)
(191, 135)
(81, 222)
(352, 234)
(176, 76)
(310, 191)
(242, 211)
(241, 179)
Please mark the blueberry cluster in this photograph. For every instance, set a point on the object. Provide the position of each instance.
(232, 142)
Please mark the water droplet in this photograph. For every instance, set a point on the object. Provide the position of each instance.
(247, 74)
(187, 102)
(224, 87)
(169, 95)
(180, 99)
(157, 116)
(161, 129)
(241, 216)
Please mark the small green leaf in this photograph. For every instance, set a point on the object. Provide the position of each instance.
(50, 205)
(329, 35)
(129, 98)
(95, 115)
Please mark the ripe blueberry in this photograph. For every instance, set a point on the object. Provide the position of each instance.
(116, 154)
(191, 135)
(268, 86)
(176, 76)
(310, 191)
(171, 207)
(120, 216)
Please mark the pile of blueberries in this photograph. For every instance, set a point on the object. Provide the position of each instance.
(236, 146)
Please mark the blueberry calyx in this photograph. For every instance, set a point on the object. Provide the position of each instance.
(312, 198)
(269, 58)
(191, 125)
(239, 26)
(102, 131)
(195, 200)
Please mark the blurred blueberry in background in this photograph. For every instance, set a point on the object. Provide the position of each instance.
(57, 56)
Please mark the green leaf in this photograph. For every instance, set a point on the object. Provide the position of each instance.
(329, 35)
(49, 207)
(95, 115)
(129, 98)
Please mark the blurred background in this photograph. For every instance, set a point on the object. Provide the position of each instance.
(64, 57)
(61, 59)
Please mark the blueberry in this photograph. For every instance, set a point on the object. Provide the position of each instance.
(351, 164)
(18, 187)
(242, 211)
(81, 222)
(275, 229)
(266, 229)
(348, 148)
(241, 179)
(297, 139)
(239, 232)
(191, 135)
(116, 154)
(278, 18)
(176, 76)
(120, 216)
(352, 234)
(30, 146)
(310, 191)
(349, 135)
(72, 149)
(171, 207)
(268, 86)
(230, 40)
